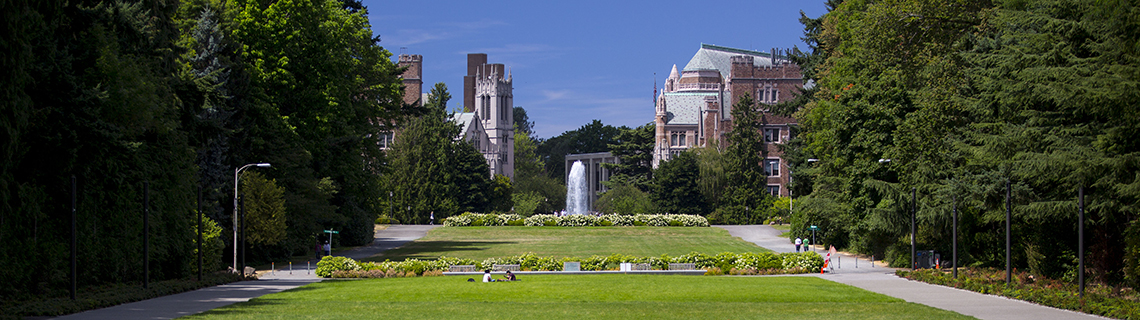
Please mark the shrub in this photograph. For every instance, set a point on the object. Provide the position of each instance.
(329, 264)
(385, 219)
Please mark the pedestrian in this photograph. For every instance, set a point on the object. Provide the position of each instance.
(432, 218)
(317, 249)
(798, 243)
(328, 249)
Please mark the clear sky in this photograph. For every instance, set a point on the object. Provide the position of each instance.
(575, 61)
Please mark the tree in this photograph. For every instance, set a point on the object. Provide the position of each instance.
(634, 150)
(522, 121)
(423, 164)
(473, 188)
(264, 209)
(626, 199)
(675, 186)
(746, 199)
(531, 180)
(592, 137)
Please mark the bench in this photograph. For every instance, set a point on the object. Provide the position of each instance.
(505, 267)
(640, 267)
(462, 268)
(682, 266)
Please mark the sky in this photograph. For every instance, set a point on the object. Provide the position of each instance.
(577, 61)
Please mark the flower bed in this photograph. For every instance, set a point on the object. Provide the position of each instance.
(470, 219)
(1099, 299)
(723, 263)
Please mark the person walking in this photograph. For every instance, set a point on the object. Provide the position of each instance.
(432, 222)
(799, 242)
(328, 249)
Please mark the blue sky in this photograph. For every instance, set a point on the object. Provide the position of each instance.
(575, 61)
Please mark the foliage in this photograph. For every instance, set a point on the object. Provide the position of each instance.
(774, 263)
(469, 219)
(531, 179)
(675, 186)
(522, 123)
(1099, 299)
(712, 179)
(590, 138)
(625, 199)
(385, 219)
(963, 98)
(212, 246)
(434, 171)
(634, 150)
(745, 199)
(264, 209)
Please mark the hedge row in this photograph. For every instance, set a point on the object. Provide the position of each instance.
(1099, 299)
(470, 219)
(723, 263)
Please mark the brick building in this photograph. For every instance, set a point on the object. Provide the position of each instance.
(695, 107)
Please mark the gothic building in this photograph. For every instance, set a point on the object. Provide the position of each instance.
(487, 120)
(695, 107)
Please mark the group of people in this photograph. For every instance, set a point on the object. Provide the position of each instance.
(508, 277)
(800, 242)
(326, 249)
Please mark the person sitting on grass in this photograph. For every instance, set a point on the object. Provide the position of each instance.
(510, 276)
(487, 276)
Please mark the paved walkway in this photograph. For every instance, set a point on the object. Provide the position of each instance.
(201, 300)
(880, 279)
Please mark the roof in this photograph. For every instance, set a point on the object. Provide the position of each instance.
(463, 119)
(685, 107)
(714, 57)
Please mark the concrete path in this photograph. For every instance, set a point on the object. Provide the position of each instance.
(851, 271)
(201, 300)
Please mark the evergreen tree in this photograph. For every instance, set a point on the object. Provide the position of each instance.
(422, 175)
(634, 150)
(676, 188)
(746, 198)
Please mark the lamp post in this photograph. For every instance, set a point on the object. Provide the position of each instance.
(236, 177)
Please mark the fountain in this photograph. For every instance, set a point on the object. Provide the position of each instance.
(576, 190)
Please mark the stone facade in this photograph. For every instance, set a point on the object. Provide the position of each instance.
(694, 109)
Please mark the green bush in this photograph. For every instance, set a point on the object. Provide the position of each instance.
(744, 263)
(385, 219)
(329, 264)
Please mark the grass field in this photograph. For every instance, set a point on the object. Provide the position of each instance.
(580, 297)
(488, 242)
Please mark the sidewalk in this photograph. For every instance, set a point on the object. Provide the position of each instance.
(273, 281)
(857, 272)
(192, 302)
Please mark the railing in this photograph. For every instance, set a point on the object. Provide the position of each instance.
(698, 86)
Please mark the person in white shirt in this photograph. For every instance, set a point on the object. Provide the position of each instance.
(798, 243)
(487, 276)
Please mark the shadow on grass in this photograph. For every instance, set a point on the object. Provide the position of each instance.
(431, 250)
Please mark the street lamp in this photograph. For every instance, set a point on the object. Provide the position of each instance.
(236, 177)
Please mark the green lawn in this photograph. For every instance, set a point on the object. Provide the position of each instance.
(580, 297)
(488, 242)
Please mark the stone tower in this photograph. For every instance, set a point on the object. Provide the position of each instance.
(412, 77)
(492, 101)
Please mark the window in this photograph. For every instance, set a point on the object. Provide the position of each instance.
(772, 167)
(387, 138)
(772, 135)
(673, 142)
(682, 138)
(774, 191)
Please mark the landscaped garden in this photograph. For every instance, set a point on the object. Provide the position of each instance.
(580, 297)
(492, 242)
(1099, 299)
